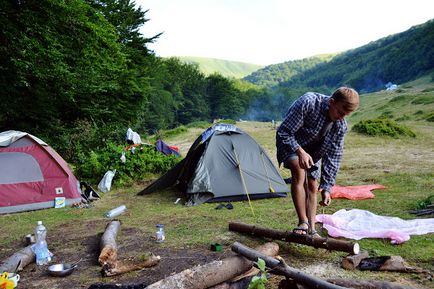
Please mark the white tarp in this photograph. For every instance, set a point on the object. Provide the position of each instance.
(358, 224)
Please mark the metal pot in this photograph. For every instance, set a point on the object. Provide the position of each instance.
(61, 270)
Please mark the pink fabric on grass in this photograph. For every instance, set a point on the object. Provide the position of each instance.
(358, 224)
(355, 192)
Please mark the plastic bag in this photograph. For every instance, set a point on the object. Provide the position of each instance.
(133, 137)
(106, 182)
(123, 158)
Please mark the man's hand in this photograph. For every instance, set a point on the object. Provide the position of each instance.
(304, 159)
(326, 198)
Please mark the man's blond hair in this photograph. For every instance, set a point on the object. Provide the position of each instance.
(348, 96)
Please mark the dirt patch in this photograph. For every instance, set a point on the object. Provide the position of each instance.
(71, 246)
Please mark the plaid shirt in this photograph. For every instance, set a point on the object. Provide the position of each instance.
(302, 128)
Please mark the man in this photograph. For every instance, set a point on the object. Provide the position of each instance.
(309, 140)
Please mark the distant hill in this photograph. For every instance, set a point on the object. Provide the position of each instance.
(396, 58)
(274, 74)
(224, 67)
(412, 101)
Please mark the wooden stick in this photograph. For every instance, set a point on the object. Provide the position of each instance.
(326, 243)
(213, 273)
(367, 284)
(280, 268)
(18, 260)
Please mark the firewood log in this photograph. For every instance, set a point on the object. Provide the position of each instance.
(213, 273)
(18, 260)
(108, 257)
(326, 243)
(280, 268)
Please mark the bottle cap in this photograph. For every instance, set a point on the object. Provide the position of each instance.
(39, 223)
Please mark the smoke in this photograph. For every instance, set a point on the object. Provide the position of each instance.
(268, 106)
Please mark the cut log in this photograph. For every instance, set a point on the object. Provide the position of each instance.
(388, 263)
(352, 261)
(326, 243)
(213, 273)
(108, 257)
(109, 249)
(367, 284)
(18, 260)
(280, 268)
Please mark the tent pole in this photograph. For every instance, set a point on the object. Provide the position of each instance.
(242, 178)
(266, 172)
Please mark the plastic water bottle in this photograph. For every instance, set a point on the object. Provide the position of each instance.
(40, 248)
(116, 211)
(159, 235)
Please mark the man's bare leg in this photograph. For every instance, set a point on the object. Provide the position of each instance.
(312, 202)
(298, 194)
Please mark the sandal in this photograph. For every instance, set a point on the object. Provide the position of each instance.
(314, 234)
(299, 228)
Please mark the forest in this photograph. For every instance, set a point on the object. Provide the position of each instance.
(78, 73)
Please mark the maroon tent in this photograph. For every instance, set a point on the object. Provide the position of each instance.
(32, 175)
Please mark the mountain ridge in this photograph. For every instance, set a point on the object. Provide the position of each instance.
(228, 68)
(395, 58)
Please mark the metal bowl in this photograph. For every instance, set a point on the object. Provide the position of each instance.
(61, 270)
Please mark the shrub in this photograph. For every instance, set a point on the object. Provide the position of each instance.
(161, 134)
(430, 117)
(140, 161)
(382, 127)
(386, 114)
(423, 99)
(199, 124)
(404, 117)
(423, 204)
(227, 120)
(429, 89)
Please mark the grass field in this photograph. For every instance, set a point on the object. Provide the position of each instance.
(403, 165)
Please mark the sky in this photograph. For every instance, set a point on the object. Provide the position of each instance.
(274, 31)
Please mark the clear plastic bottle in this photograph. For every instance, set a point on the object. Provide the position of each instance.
(40, 248)
(159, 235)
(116, 211)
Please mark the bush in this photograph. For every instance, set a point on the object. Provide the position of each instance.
(140, 162)
(403, 118)
(161, 134)
(199, 124)
(386, 114)
(227, 121)
(382, 127)
(429, 89)
(423, 99)
(430, 117)
(423, 204)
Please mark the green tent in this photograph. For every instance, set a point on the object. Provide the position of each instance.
(223, 164)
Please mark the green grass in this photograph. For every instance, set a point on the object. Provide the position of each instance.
(403, 165)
